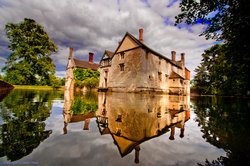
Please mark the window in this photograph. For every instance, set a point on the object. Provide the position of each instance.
(147, 53)
(181, 81)
(122, 67)
(166, 76)
(159, 60)
(106, 74)
(159, 76)
(122, 55)
(106, 62)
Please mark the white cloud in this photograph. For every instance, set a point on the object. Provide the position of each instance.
(98, 25)
(60, 74)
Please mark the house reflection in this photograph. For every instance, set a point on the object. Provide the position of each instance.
(68, 115)
(132, 119)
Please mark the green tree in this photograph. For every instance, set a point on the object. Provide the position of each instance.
(201, 79)
(86, 77)
(212, 74)
(227, 21)
(30, 61)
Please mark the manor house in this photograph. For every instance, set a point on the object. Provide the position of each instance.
(134, 67)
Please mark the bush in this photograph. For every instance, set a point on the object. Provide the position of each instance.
(91, 82)
(81, 106)
(86, 78)
(83, 74)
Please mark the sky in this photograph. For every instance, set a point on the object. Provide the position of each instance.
(99, 25)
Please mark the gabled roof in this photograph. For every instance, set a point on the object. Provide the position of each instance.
(175, 75)
(110, 55)
(85, 64)
(141, 44)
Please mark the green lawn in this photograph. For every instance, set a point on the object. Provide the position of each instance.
(36, 87)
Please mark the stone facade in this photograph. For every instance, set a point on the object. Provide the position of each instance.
(134, 67)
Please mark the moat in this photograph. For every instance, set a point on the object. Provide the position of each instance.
(43, 128)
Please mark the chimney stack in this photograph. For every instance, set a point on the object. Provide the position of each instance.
(91, 57)
(183, 58)
(137, 150)
(70, 53)
(141, 34)
(171, 137)
(173, 53)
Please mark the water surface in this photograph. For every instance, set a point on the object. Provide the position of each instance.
(49, 128)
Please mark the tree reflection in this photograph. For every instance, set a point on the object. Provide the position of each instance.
(23, 114)
(78, 107)
(225, 124)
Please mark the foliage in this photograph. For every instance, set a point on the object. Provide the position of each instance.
(82, 74)
(56, 81)
(84, 105)
(201, 80)
(228, 21)
(30, 62)
(86, 78)
(218, 118)
(91, 82)
(23, 114)
(212, 74)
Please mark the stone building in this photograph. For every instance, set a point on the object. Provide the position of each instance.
(74, 63)
(134, 67)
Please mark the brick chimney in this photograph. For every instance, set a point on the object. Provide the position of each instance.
(141, 34)
(173, 53)
(183, 58)
(70, 53)
(91, 57)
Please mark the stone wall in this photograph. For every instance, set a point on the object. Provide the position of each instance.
(143, 71)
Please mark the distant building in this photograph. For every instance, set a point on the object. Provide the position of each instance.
(77, 63)
(134, 67)
(74, 63)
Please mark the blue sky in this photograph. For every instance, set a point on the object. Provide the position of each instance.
(96, 25)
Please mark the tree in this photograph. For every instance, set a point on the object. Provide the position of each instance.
(30, 61)
(227, 21)
(212, 75)
(201, 79)
(86, 78)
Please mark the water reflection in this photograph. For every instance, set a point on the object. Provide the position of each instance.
(78, 108)
(224, 123)
(132, 119)
(127, 127)
(23, 128)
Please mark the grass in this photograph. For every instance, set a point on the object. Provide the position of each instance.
(36, 87)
